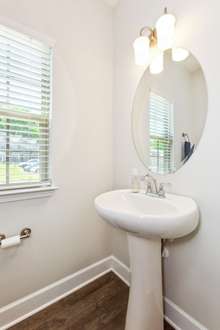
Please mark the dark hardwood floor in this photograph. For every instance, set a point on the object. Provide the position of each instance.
(101, 305)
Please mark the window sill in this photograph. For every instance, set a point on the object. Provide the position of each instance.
(26, 193)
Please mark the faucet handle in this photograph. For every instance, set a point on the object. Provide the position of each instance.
(149, 189)
(142, 177)
(162, 186)
(147, 183)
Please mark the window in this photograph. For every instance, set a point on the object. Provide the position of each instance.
(25, 92)
(161, 134)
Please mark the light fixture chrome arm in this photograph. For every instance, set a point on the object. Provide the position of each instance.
(145, 28)
(151, 29)
(152, 35)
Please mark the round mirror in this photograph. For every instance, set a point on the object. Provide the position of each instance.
(169, 114)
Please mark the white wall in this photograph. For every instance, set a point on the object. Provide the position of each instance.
(192, 271)
(67, 233)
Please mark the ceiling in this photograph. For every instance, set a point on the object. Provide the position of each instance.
(111, 3)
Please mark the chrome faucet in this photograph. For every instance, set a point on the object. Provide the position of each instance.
(153, 188)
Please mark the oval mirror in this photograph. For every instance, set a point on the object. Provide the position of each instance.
(169, 114)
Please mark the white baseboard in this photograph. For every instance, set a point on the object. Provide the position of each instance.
(122, 271)
(179, 319)
(35, 302)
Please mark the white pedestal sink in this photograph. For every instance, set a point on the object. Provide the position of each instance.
(147, 220)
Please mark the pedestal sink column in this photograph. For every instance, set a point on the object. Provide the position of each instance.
(145, 307)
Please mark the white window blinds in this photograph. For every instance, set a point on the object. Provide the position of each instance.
(25, 91)
(161, 134)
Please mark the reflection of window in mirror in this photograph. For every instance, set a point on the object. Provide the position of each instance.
(161, 131)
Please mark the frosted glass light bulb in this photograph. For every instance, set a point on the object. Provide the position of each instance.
(141, 50)
(156, 65)
(179, 54)
(165, 27)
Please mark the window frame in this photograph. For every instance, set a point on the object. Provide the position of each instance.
(32, 190)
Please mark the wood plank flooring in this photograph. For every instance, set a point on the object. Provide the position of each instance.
(101, 305)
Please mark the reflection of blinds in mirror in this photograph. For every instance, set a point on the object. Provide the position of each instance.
(161, 134)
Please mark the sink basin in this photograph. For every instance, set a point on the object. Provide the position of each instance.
(147, 220)
(171, 217)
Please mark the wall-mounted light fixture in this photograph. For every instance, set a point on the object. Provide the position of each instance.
(149, 49)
